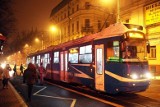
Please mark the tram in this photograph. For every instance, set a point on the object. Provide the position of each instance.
(112, 61)
(2, 40)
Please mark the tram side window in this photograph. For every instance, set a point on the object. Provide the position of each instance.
(113, 51)
(56, 57)
(73, 55)
(33, 60)
(46, 59)
(38, 60)
(85, 54)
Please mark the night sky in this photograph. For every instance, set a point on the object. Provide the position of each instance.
(33, 13)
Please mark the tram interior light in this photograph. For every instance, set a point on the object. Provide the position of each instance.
(135, 35)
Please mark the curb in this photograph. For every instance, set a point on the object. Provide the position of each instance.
(20, 99)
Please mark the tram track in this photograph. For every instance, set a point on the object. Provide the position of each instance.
(124, 99)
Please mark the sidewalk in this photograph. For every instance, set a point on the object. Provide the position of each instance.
(155, 78)
(10, 98)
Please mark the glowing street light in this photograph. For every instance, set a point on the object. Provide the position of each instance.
(106, 2)
(53, 29)
(26, 45)
(56, 29)
(36, 40)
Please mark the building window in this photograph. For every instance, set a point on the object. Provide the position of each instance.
(68, 29)
(152, 52)
(65, 15)
(77, 26)
(87, 5)
(77, 7)
(72, 27)
(99, 25)
(72, 10)
(87, 23)
(127, 20)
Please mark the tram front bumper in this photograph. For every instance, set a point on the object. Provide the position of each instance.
(134, 87)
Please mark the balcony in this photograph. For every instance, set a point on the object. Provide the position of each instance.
(88, 29)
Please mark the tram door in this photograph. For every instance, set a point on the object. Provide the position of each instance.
(99, 67)
(64, 66)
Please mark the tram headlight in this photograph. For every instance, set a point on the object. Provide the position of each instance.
(134, 76)
(3, 65)
(148, 75)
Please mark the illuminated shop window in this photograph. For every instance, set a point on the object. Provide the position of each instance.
(152, 52)
(85, 54)
(56, 57)
(73, 55)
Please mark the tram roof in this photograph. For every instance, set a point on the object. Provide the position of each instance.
(113, 30)
(118, 29)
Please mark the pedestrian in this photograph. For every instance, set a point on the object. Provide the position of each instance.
(15, 70)
(21, 69)
(37, 70)
(1, 73)
(30, 77)
(6, 76)
(42, 73)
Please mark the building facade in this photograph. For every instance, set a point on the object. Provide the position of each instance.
(77, 18)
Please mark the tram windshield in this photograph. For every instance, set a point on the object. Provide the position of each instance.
(134, 49)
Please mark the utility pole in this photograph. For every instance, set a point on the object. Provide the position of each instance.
(118, 11)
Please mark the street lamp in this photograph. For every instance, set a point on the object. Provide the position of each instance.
(118, 11)
(42, 42)
(58, 30)
(37, 41)
(53, 29)
(27, 49)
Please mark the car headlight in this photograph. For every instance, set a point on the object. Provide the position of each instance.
(134, 76)
(148, 75)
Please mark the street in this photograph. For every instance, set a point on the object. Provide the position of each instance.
(53, 95)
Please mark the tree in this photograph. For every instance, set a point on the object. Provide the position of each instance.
(7, 20)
